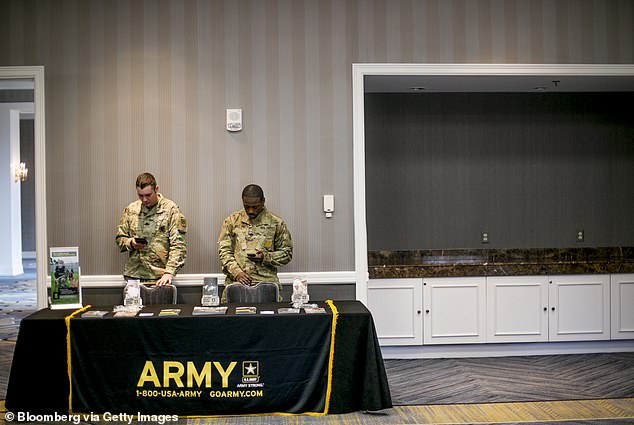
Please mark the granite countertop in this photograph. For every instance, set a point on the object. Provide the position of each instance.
(499, 262)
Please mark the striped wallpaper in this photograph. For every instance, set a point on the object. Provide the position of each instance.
(143, 85)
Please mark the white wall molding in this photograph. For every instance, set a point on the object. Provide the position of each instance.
(28, 255)
(314, 278)
(503, 350)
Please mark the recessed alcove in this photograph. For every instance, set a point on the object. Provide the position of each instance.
(529, 154)
(528, 169)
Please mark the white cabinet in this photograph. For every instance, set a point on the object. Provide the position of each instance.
(622, 306)
(396, 306)
(517, 309)
(461, 310)
(579, 308)
(455, 310)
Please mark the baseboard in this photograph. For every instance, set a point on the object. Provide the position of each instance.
(505, 350)
(11, 271)
(322, 278)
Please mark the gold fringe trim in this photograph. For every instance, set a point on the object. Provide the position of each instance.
(335, 316)
(70, 380)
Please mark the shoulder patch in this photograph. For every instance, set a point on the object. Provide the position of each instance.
(182, 224)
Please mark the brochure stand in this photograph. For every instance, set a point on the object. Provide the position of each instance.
(65, 281)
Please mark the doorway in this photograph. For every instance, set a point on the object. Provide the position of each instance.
(35, 74)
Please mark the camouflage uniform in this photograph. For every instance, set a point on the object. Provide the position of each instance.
(164, 227)
(266, 233)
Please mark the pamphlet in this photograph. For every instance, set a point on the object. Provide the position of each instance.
(64, 271)
(267, 312)
(199, 311)
(315, 310)
(126, 313)
(170, 312)
(287, 310)
(94, 314)
(146, 314)
(246, 310)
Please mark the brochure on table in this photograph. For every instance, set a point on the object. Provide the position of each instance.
(65, 283)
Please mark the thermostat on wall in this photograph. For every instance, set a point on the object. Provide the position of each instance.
(234, 119)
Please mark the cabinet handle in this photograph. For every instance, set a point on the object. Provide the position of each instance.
(545, 308)
(419, 312)
(553, 308)
(426, 311)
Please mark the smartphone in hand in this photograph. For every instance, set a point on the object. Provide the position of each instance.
(140, 240)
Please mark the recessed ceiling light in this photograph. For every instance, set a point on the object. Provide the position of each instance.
(539, 88)
(417, 88)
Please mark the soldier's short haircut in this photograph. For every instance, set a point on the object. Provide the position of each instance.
(253, 191)
(144, 180)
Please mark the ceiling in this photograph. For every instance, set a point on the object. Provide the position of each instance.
(492, 83)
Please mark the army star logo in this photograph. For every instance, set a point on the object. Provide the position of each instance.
(250, 371)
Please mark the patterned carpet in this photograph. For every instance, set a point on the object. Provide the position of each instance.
(17, 300)
(509, 379)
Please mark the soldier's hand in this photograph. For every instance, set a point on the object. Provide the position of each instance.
(137, 246)
(243, 278)
(166, 279)
(257, 257)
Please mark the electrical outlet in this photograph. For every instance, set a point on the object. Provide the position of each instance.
(484, 237)
(580, 235)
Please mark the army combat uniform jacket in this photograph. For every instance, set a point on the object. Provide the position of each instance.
(240, 235)
(164, 227)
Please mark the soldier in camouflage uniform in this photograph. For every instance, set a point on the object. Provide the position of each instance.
(160, 222)
(253, 242)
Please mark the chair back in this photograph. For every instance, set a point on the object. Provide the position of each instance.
(263, 292)
(165, 294)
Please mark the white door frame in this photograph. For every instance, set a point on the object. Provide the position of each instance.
(36, 73)
(360, 70)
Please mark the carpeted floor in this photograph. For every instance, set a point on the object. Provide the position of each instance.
(509, 379)
(17, 300)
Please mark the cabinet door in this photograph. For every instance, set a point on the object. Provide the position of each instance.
(579, 308)
(396, 306)
(517, 309)
(454, 310)
(622, 294)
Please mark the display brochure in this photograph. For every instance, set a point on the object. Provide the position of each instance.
(118, 308)
(287, 310)
(315, 310)
(146, 314)
(246, 310)
(210, 292)
(126, 313)
(94, 314)
(300, 296)
(65, 282)
(133, 293)
(198, 311)
(170, 312)
(267, 311)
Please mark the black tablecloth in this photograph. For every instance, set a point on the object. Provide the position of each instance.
(39, 381)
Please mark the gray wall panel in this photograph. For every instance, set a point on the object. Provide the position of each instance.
(530, 169)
